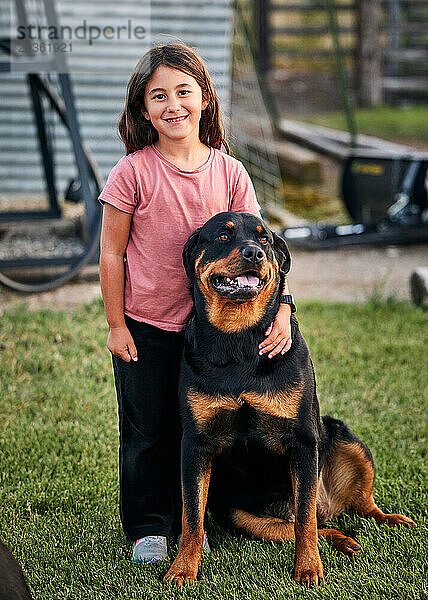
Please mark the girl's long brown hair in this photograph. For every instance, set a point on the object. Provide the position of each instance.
(136, 131)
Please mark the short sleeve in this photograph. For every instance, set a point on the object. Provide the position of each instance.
(244, 198)
(120, 189)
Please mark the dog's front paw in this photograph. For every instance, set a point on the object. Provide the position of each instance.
(396, 520)
(182, 570)
(308, 572)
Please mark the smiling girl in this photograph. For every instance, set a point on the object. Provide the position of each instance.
(173, 178)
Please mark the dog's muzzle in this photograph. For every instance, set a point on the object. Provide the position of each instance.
(246, 286)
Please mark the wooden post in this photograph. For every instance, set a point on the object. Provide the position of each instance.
(419, 287)
(368, 66)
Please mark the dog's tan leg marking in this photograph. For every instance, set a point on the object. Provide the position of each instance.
(347, 478)
(343, 476)
(274, 529)
(266, 528)
(341, 542)
(307, 562)
(186, 564)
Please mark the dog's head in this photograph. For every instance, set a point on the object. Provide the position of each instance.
(235, 259)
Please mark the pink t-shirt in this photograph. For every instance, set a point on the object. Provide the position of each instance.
(168, 204)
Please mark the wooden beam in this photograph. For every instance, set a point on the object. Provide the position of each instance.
(282, 215)
(297, 163)
(368, 64)
(315, 7)
(406, 83)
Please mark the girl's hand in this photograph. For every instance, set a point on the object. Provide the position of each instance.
(121, 344)
(279, 333)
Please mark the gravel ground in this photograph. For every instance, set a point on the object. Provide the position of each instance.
(349, 275)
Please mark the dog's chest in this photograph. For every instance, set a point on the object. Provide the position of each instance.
(251, 410)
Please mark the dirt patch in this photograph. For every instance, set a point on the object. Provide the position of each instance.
(84, 288)
(348, 275)
(355, 274)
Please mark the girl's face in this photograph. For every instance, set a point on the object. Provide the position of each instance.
(173, 103)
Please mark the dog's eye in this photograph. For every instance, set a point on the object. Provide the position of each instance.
(263, 240)
(223, 237)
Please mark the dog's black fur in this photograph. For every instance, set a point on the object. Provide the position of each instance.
(279, 470)
(12, 581)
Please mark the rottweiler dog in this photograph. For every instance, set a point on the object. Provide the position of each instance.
(251, 424)
(13, 585)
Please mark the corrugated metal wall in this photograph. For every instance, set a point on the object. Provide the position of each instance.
(100, 73)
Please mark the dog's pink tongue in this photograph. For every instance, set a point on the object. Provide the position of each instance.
(248, 280)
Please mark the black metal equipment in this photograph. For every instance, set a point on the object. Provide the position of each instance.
(38, 273)
(385, 196)
(384, 185)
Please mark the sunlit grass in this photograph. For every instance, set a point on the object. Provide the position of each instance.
(389, 122)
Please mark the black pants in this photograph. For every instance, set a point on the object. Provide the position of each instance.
(150, 432)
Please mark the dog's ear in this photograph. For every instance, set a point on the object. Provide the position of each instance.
(281, 252)
(188, 252)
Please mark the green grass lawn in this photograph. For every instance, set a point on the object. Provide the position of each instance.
(59, 445)
(409, 124)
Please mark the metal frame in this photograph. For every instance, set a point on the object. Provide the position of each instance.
(90, 179)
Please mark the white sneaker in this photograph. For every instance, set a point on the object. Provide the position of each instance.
(150, 549)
